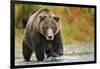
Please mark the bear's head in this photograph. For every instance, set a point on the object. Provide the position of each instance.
(49, 26)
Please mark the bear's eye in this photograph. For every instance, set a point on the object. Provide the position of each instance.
(45, 27)
(54, 28)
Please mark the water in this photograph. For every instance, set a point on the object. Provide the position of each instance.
(72, 53)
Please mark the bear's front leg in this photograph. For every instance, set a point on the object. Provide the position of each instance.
(27, 52)
(58, 45)
(39, 52)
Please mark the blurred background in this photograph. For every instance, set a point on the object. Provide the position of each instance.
(77, 23)
(77, 26)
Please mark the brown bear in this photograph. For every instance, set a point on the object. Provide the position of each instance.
(42, 35)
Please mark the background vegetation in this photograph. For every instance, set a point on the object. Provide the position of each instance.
(77, 23)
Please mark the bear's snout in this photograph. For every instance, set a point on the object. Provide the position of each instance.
(50, 35)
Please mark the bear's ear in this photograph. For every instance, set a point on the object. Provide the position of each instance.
(42, 17)
(56, 18)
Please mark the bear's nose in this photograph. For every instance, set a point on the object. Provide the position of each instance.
(49, 37)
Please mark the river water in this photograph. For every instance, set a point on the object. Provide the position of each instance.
(72, 53)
